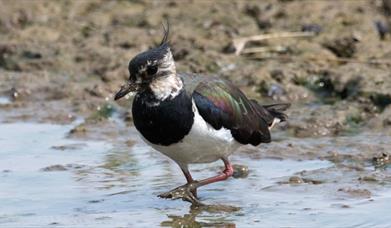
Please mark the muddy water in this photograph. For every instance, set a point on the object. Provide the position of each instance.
(47, 179)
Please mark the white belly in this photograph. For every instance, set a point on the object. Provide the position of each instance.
(203, 144)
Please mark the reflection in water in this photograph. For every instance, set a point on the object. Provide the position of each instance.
(103, 185)
(190, 219)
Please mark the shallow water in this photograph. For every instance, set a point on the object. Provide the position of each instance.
(4, 100)
(47, 179)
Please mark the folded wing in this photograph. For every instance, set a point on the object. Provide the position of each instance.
(221, 104)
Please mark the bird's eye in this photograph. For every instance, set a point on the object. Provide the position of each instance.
(151, 70)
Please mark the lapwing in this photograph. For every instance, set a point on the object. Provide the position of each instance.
(193, 118)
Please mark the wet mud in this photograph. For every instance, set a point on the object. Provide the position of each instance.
(71, 157)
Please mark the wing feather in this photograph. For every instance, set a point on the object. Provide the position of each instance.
(221, 104)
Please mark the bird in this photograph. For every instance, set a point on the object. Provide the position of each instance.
(193, 118)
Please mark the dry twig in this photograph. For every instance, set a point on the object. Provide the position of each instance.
(341, 60)
(278, 49)
(239, 43)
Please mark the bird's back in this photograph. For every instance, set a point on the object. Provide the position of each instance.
(223, 105)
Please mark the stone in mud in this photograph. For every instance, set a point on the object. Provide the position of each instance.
(315, 28)
(229, 48)
(127, 116)
(277, 74)
(381, 160)
(381, 121)
(341, 206)
(68, 147)
(312, 181)
(14, 93)
(387, 122)
(9, 63)
(344, 47)
(262, 19)
(382, 29)
(320, 121)
(372, 179)
(240, 171)
(8, 60)
(54, 168)
(276, 92)
(96, 201)
(360, 82)
(81, 128)
(360, 193)
(252, 10)
(296, 180)
(387, 7)
(76, 166)
(21, 18)
(31, 54)
(380, 99)
(95, 91)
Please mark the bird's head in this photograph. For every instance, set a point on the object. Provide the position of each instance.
(150, 69)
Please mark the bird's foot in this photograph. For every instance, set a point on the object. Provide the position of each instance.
(187, 192)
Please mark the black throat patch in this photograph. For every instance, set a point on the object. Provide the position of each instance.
(166, 123)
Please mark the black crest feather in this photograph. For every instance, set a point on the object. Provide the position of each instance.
(166, 33)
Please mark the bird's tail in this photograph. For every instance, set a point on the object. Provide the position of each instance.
(277, 110)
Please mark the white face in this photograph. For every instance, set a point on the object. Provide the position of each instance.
(155, 63)
(160, 76)
(155, 70)
(166, 84)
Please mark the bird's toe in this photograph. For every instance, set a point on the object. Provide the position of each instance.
(186, 192)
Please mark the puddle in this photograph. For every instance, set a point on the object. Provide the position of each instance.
(5, 100)
(47, 180)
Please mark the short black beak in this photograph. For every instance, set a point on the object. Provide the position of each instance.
(125, 89)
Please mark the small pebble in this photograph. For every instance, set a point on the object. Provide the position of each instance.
(277, 74)
(296, 180)
(382, 29)
(382, 160)
(275, 91)
(78, 129)
(53, 168)
(240, 171)
(368, 179)
(315, 28)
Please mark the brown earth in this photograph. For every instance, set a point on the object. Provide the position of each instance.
(64, 60)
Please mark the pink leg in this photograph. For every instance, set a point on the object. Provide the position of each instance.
(228, 171)
(189, 180)
(188, 176)
(188, 192)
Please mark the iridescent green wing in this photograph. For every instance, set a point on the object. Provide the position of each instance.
(221, 104)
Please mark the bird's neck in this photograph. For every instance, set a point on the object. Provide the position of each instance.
(166, 87)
